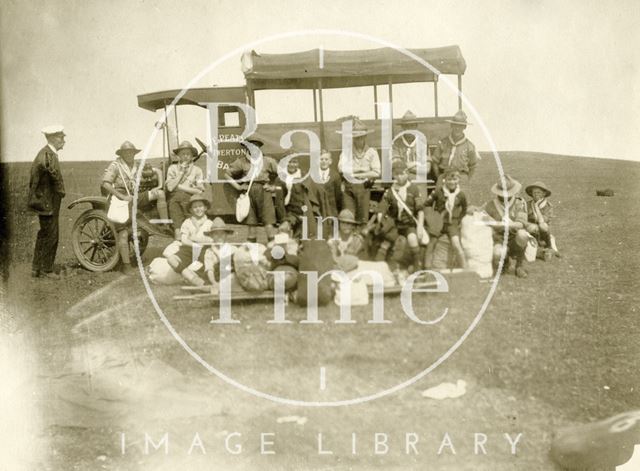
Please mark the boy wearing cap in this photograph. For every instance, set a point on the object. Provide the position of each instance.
(184, 179)
(46, 190)
(451, 203)
(188, 260)
(403, 204)
(363, 164)
(540, 213)
(455, 151)
(219, 232)
(262, 210)
(515, 219)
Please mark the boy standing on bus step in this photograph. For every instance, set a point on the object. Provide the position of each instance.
(363, 164)
(262, 210)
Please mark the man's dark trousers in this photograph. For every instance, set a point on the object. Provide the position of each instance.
(47, 241)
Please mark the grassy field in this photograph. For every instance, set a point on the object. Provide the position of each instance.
(558, 348)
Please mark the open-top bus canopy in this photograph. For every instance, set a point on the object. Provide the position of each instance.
(342, 69)
(193, 96)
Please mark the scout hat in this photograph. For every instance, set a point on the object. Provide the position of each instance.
(218, 225)
(459, 118)
(186, 145)
(199, 197)
(513, 187)
(53, 129)
(358, 128)
(127, 147)
(409, 118)
(529, 189)
(347, 216)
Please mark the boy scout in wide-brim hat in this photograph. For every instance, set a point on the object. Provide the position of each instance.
(127, 147)
(186, 145)
(409, 119)
(529, 189)
(217, 226)
(512, 187)
(460, 118)
(199, 197)
(347, 216)
(358, 129)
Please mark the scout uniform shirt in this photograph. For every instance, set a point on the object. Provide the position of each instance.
(193, 176)
(121, 177)
(361, 161)
(408, 153)
(352, 246)
(517, 213)
(241, 167)
(545, 208)
(460, 156)
(389, 204)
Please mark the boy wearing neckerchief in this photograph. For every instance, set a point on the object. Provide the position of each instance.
(188, 259)
(219, 232)
(540, 213)
(184, 179)
(516, 221)
(455, 151)
(262, 210)
(403, 205)
(451, 202)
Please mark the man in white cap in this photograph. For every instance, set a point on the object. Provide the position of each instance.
(46, 190)
(455, 151)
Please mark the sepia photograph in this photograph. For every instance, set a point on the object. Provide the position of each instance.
(303, 235)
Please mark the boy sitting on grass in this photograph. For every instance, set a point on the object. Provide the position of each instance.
(540, 213)
(188, 260)
(349, 243)
(218, 233)
(451, 203)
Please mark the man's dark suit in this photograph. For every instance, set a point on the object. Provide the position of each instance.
(333, 191)
(46, 190)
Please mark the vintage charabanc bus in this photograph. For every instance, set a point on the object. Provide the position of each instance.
(315, 71)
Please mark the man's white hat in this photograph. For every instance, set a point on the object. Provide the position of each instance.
(53, 129)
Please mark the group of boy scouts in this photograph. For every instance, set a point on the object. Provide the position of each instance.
(425, 201)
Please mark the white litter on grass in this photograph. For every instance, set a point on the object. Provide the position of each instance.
(446, 390)
(607, 388)
(292, 419)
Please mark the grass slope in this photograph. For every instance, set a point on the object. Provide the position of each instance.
(557, 348)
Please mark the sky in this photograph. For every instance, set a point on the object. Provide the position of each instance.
(547, 76)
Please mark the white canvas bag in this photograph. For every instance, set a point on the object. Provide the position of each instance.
(118, 211)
